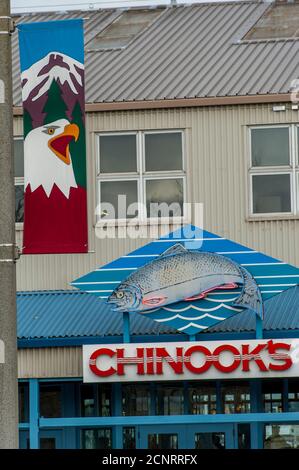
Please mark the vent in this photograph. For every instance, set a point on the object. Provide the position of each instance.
(280, 21)
(124, 29)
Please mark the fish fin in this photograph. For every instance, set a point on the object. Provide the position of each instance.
(203, 294)
(250, 296)
(174, 250)
(153, 301)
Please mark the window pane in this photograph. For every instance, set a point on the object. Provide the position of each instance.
(281, 436)
(135, 400)
(270, 147)
(209, 440)
(272, 396)
(163, 151)
(19, 157)
(87, 400)
(118, 154)
(236, 398)
(271, 193)
(19, 199)
(164, 197)
(116, 196)
(96, 438)
(129, 438)
(50, 401)
(170, 399)
(202, 398)
(162, 441)
(104, 399)
(23, 402)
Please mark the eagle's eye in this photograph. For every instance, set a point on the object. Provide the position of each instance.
(50, 130)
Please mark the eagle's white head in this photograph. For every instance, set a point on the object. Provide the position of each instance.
(47, 157)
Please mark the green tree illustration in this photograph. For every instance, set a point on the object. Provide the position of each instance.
(55, 108)
(27, 121)
(77, 149)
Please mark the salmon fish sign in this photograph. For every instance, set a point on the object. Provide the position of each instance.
(180, 274)
(190, 280)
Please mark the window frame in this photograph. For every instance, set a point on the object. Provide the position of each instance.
(141, 176)
(292, 169)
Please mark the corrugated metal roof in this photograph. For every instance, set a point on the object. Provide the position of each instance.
(189, 51)
(67, 314)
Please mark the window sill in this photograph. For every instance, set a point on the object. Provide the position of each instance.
(142, 223)
(272, 217)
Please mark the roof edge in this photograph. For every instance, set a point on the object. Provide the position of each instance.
(180, 103)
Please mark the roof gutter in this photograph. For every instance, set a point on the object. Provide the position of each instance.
(180, 103)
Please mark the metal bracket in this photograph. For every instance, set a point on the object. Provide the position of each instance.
(9, 253)
(9, 25)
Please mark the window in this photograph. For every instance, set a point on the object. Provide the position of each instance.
(209, 440)
(19, 177)
(281, 436)
(236, 398)
(274, 170)
(129, 438)
(50, 401)
(272, 396)
(87, 393)
(162, 441)
(293, 395)
(170, 399)
(136, 400)
(23, 402)
(124, 29)
(100, 438)
(202, 399)
(138, 172)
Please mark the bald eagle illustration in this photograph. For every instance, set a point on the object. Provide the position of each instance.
(55, 205)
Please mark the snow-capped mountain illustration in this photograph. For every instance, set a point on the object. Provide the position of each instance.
(37, 79)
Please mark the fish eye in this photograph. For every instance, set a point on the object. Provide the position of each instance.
(119, 295)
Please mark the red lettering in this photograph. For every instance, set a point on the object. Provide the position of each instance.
(150, 361)
(177, 365)
(234, 365)
(93, 362)
(199, 349)
(287, 361)
(253, 355)
(123, 361)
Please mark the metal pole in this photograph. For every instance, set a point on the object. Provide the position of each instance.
(8, 369)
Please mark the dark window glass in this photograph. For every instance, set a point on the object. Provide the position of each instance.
(87, 393)
(235, 397)
(96, 438)
(136, 400)
(163, 441)
(104, 399)
(23, 402)
(210, 440)
(118, 154)
(270, 146)
(165, 197)
(19, 202)
(170, 399)
(47, 443)
(202, 398)
(281, 436)
(272, 396)
(293, 395)
(271, 193)
(163, 152)
(129, 438)
(244, 436)
(51, 401)
(19, 157)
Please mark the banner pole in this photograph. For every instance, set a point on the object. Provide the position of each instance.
(8, 339)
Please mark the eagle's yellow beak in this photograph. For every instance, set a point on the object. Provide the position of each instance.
(60, 143)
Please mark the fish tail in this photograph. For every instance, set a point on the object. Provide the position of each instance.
(250, 296)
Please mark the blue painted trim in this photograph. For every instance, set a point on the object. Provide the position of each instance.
(24, 426)
(52, 342)
(33, 413)
(192, 337)
(126, 327)
(258, 327)
(169, 419)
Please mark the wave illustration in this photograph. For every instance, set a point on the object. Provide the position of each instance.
(205, 309)
(181, 317)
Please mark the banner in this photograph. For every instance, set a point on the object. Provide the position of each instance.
(52, 75)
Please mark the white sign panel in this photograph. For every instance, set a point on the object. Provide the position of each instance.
(261, 358)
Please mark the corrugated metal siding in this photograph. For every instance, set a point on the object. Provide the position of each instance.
(50, 362)
(189, 51)
(216, 158)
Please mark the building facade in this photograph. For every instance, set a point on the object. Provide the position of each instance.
(218, 107)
